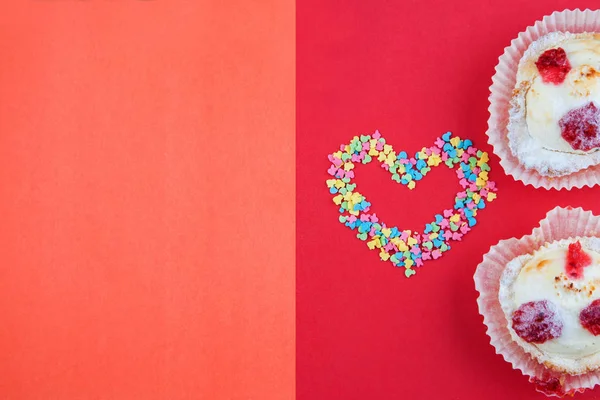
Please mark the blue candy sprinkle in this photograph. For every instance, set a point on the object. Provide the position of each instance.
(446, 136)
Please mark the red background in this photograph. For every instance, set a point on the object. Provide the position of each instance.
(413, 70)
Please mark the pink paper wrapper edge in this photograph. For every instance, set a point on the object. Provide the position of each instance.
(503, 83)
(560, 223)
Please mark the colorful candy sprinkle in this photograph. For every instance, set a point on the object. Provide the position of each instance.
(404, 248)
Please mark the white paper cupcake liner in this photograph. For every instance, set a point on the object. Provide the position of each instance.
(560, 223)
(503, 83)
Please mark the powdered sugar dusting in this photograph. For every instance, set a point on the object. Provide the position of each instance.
(537, 321)
(579, 127)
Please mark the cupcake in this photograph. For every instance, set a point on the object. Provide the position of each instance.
(544, 120)
(540, 299)
(554, 115)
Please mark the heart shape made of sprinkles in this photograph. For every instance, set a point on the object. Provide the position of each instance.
(404, 248)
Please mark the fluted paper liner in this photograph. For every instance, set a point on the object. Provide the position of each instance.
(560, 223)
(503, 83)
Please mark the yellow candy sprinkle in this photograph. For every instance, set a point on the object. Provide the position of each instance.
(411, 241)
(491, 196)
(384, 256)
(348, 166)
(483, 159)
(480, 182)
(386, 232)
(338, 199)
(391, 159)
(331, 182)
(373, 152)
(455, 218)
(455, 141)
(357, 197)
(408, 263)
(476, 197)
(387, 148)
(411, 185)
(340, 183)
(434, 160)
(371, 244)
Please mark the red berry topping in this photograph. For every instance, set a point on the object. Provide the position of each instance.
(590, 317)
(553, 65)
(550, 386)
(537, 321)
(579, 127)
(577, 259)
